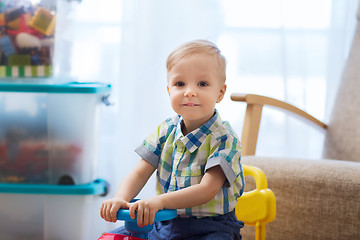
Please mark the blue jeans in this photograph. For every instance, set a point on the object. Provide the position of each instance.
(208, 228)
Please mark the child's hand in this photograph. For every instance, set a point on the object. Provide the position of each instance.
(110, 207)
(146, 210)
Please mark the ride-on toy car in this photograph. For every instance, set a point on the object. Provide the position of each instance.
(255, 208)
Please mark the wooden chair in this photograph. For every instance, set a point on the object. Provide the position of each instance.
(315, 198)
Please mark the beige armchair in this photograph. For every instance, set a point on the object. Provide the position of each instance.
(316, 199)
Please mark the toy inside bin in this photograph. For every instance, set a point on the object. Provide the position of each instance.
(27, 33)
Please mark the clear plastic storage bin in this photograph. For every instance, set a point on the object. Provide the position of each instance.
(49, 132)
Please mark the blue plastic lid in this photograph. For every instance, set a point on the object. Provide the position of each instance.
(41, 87)
(97, 187)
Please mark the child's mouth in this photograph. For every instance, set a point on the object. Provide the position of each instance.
(191, 105)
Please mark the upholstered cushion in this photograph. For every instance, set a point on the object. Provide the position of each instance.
(343, 136)
(316, 199)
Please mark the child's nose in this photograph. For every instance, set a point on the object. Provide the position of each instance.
(190, 93)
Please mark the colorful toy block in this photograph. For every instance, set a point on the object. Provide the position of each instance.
(2, 19)
(19, 60)
(7, 46)
(22, 26)
(13, 13)
(25, 71)
(43, 21)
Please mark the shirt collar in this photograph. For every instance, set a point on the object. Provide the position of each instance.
(195, 139)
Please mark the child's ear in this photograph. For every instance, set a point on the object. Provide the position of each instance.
(167, 88)
(221, 93)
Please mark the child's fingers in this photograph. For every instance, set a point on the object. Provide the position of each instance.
(107, 213)
(132, 208)
(146, 219)
(113, 212)
(102, 210)
(140, 215)
(151, 216)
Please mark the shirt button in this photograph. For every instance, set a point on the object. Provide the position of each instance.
(180, 148)
(195, 171)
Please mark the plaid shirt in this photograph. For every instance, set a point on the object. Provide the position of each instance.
(182, 161)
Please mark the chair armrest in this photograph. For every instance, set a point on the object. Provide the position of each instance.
(252, 119)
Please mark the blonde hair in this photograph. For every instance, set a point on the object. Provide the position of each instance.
(193, 47)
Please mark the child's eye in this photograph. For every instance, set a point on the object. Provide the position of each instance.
(203, 84)
(179, 84)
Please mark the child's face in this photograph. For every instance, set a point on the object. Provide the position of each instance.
(194, 87)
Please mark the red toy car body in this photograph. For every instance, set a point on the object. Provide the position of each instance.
(112, 236)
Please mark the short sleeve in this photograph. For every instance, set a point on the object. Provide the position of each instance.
(226, 152)
(151, 148)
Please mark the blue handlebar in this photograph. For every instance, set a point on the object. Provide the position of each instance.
(142, 232)
(162, 215)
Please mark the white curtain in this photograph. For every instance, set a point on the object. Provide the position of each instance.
(293, 50)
